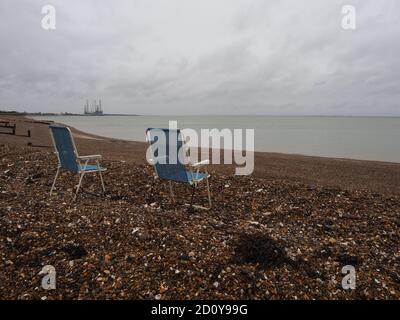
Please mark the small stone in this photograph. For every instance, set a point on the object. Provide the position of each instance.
(332, 241)
(143, 235)
(163, 288)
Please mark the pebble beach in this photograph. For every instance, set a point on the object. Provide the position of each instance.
(285, 232)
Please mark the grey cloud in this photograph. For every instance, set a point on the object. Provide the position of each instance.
(209, 57)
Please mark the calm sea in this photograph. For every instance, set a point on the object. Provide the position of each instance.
(367, 138)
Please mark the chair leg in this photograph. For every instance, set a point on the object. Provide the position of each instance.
(208, 193)
(101, 177)
(54, 182)
(191, 198)
(209, 198)
(171, 192)
(79, 185)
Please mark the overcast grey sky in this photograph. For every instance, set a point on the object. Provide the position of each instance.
(201, 57)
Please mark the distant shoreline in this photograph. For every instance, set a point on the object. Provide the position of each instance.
(44, 114)
(68, 114)
(50, 114)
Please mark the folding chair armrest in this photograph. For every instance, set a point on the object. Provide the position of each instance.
(199, 164)
(95, 156)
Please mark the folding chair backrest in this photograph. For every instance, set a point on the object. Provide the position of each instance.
(65, 147)
(168, 150)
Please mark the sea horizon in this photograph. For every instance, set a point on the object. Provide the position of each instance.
(370, 138)
(41, 114)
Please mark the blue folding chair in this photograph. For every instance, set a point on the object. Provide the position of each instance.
(169, 157)
(68, 158)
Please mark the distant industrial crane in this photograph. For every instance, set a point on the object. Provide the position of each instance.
(93, 109)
